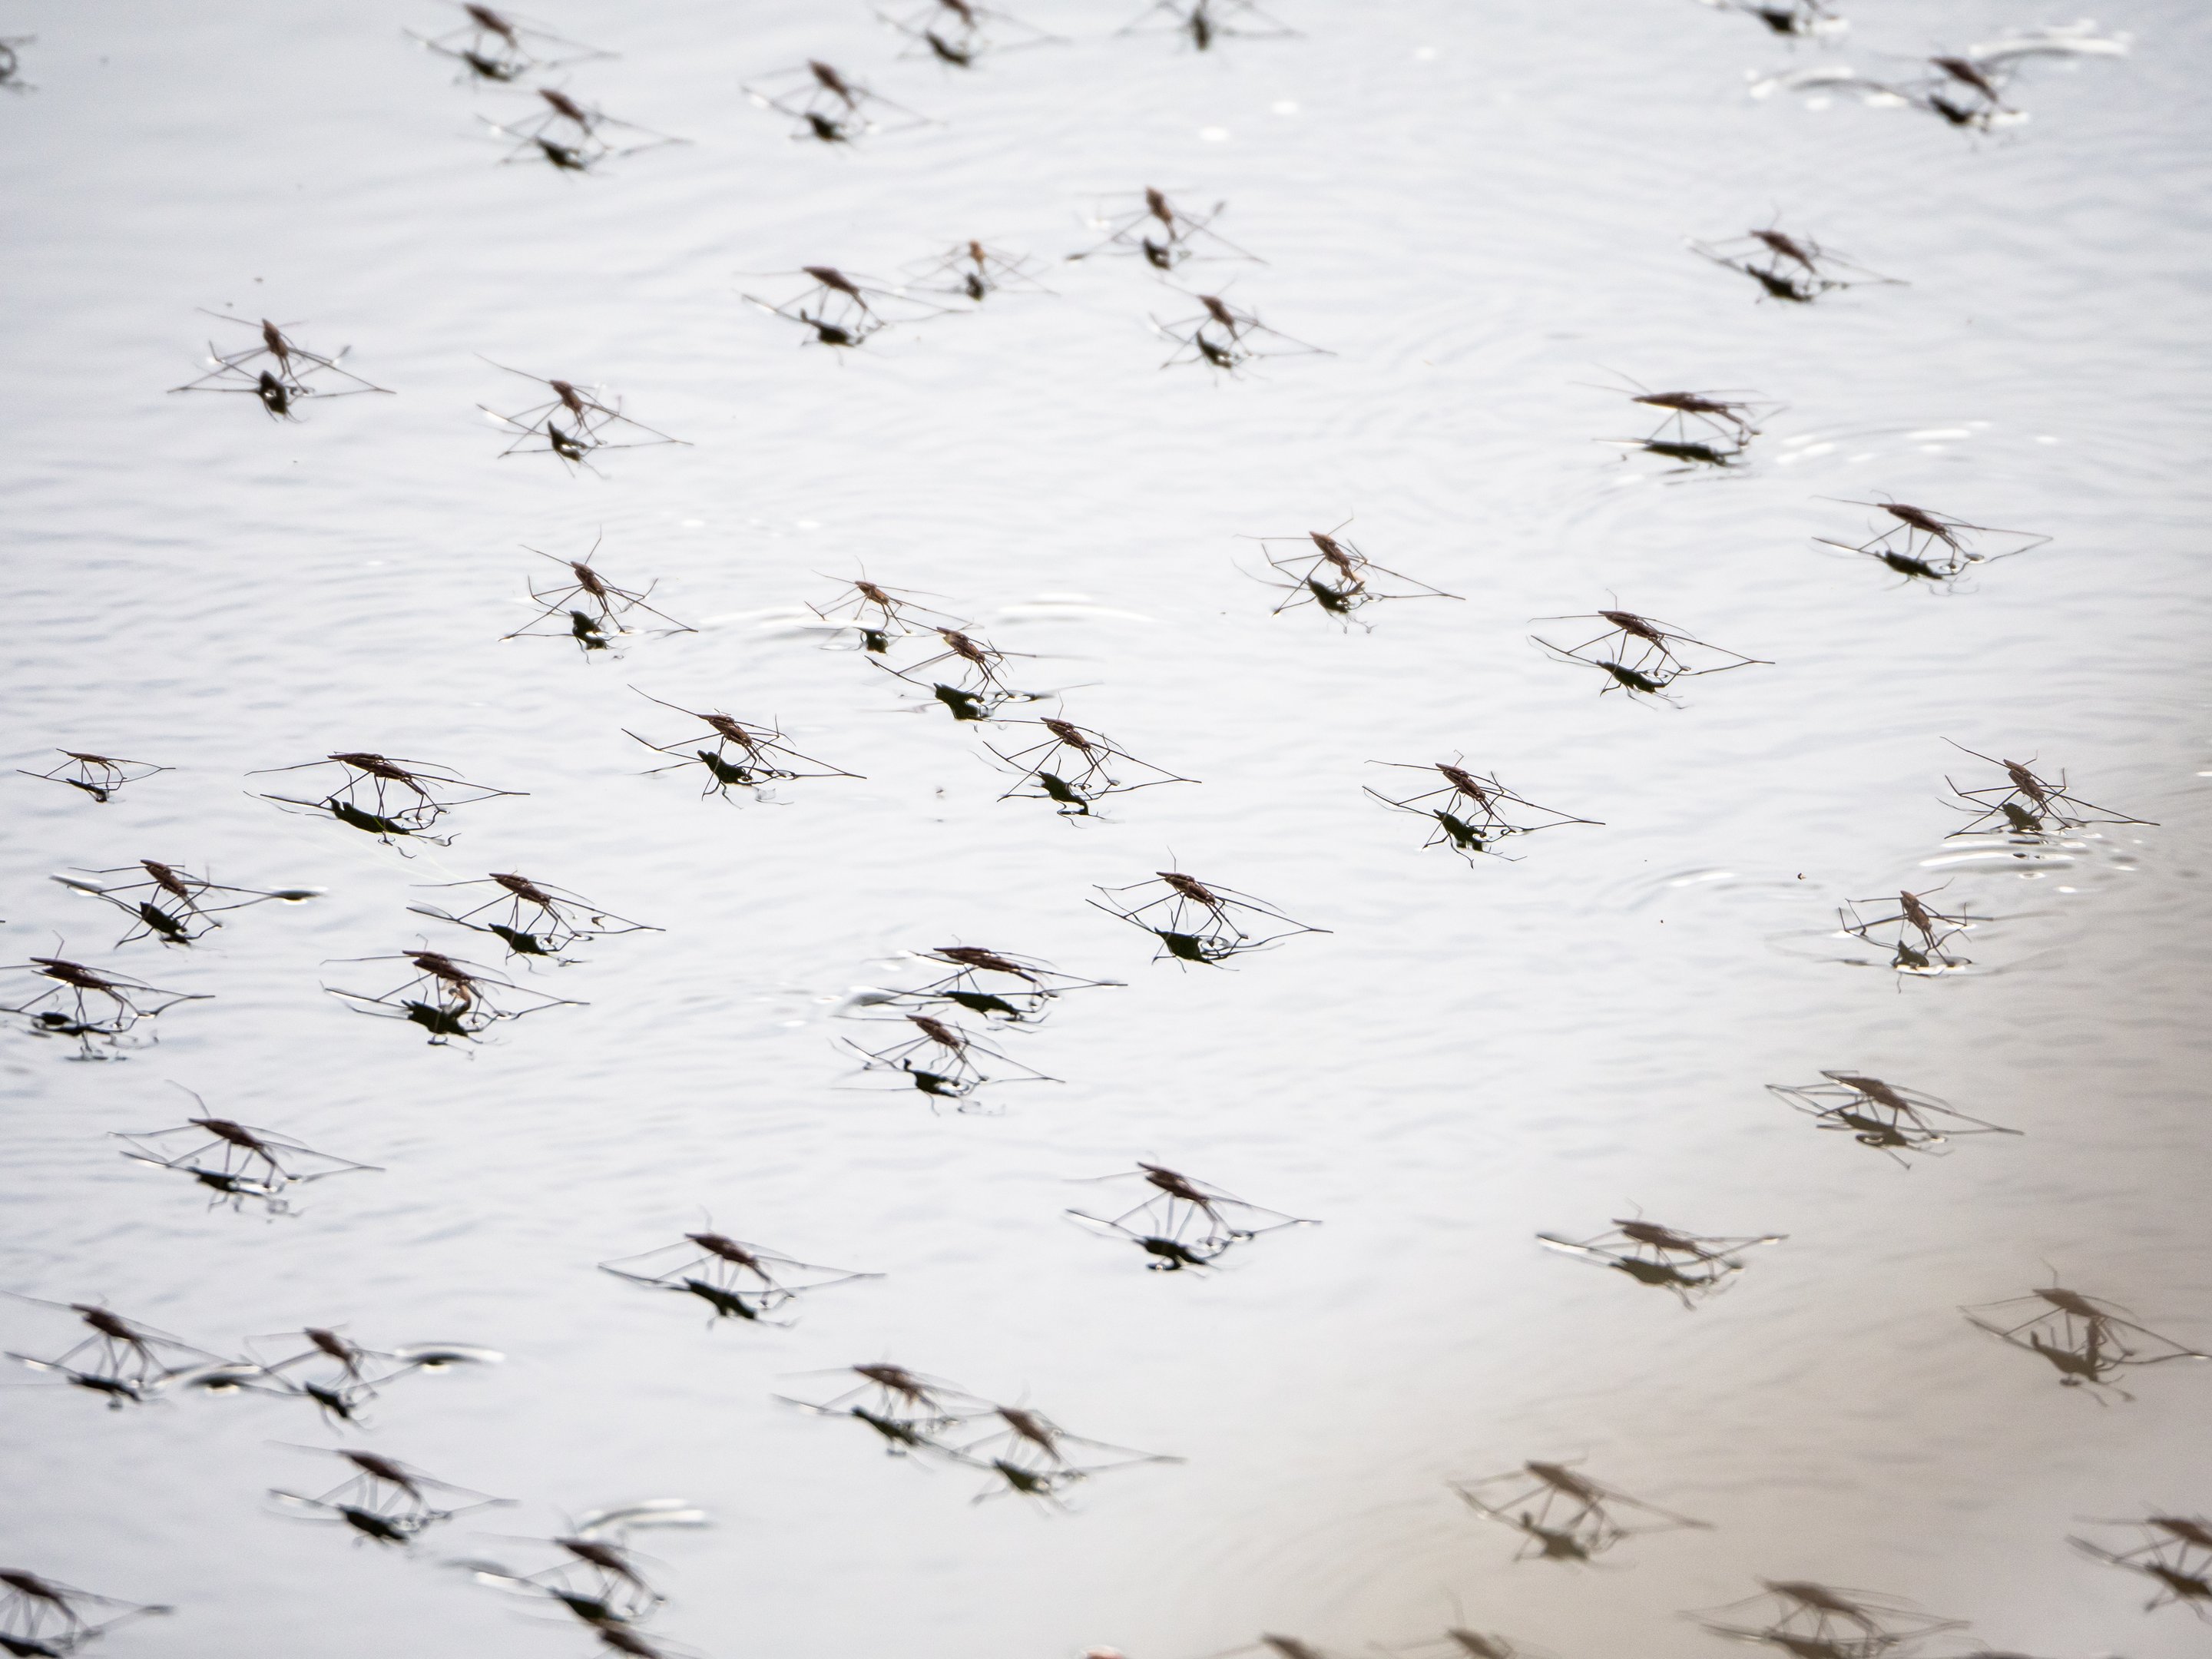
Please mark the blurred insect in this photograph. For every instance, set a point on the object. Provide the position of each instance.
(2174, 1551)
(1183, 1223)
(830, 106)
(573, 137)
(1071, 768)
(597, 1578)
(2079, 40)
(533, 918)
(1796, 270)
(907, 1409)
(1205, 22)
(94, 1006)
(2027, 804)
(1794, 19)
(179, 908)
(944, 1061)
(1278, 1646)
(1692, 1266)
(844, 310)
(1477, 813)
(1564, 1515)
(1030, 1455)
(1917, 937)
(976, 272)
(360, 1372)
(1335, 576)
(2087, 1340)
(735, 1280)
(979, 690)
(590, 420)
(252, 1164)
(1642, 657)
(743, 756)
(1817, 1620)
(1017, 989)
(880, 615)
(494, 45)
(1965, 94)
(1922, 545)
(11, 62)
(1196, 922)
(40, 1619)
(97, 775)
(385, 1501)
(1461, 1643)
(589, 609)
(958, 31)
(447, 998)
(1892, 1120)
(288, 376)
(1238, 337)
(122, 1360)
(1165, 235)
(391, 799)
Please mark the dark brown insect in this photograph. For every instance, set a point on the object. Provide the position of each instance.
(1563, 1515)
(2026, 805)
(1205, 24)
(592, 424)
(735, 1280)
(830, 106)
(1199, 923)
(1890, 1119)
(1477, 813)
(1690, 1265)
(1187, 1224)
(1163, 234)
(1642, 657)
(97, 776)
(392, 799)
(742, 757)
(290, 376)
(2085, 1338)
(494, 46)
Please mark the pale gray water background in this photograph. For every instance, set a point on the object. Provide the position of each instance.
(1480, 208)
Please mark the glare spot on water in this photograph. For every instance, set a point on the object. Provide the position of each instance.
(1285, 107)
(1214, 134)
(1425, 54)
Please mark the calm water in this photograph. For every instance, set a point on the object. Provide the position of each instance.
(1481, 209)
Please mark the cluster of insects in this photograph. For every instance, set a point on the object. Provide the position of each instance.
(947, 1034)
(1018, 1449)
(1969, 90)
(596, 1575)
(932, 1050)
(124, 1362)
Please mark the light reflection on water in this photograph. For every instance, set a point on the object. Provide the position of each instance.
(1482, 211)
